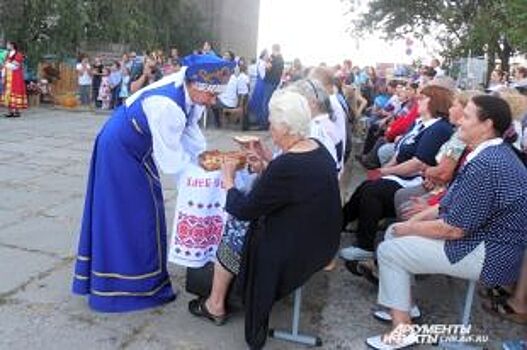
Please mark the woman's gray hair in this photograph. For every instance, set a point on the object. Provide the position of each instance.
(291, 110)
(315, 93)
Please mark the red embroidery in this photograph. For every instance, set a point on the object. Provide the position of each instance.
(198, 232)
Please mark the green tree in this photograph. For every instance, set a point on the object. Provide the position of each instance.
(496, 28)
(61, 27)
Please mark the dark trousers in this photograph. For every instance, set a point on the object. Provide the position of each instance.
(371, 137)
(371, 202)
(95, 96)
(269, 89)
(371, 160)
(216, 110)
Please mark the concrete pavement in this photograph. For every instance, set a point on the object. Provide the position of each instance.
(44, 158)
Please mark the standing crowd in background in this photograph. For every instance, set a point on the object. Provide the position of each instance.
(106, 84)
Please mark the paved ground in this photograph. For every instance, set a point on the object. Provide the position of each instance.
(43, 163)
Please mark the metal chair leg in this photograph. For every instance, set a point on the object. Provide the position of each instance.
(293, 335)
(465, 320)
(469, 299)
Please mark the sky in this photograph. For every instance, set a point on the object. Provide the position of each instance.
(315, 32)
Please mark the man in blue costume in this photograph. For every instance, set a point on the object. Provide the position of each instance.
(121, 262)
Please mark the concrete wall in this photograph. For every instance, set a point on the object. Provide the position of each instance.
(233, 23)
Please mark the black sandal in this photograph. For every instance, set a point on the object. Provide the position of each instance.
(494, 293)
(198, 308)
(358, 268)
(502, 309)
(354, 268)
(371, 274)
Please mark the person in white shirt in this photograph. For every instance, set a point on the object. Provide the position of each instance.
(244, 91)
(229, 98)
(436, 65)
(323, 127)
(237, 85)
(243, 87)
(324, 76)
(84, 80)
(323, 124)
(121, 260)
(520, 78)
(496, 80)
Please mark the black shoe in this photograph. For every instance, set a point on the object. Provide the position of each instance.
(362, 161)
(9, 115)
(16, 115)
(198, 308)
(367, 162)
(359, 268)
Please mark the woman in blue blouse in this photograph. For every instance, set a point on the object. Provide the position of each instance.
(479, 232)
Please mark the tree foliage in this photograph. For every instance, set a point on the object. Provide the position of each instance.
(62, 27)
(494, 27)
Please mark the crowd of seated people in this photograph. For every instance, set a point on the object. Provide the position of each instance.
(477, 232)
(464, 216)
(409, 201)
(373, 200)
(448, 166)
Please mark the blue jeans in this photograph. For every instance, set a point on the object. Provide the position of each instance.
(115, 97)
(84, 92)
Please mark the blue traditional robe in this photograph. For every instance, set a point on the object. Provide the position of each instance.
(121, 262)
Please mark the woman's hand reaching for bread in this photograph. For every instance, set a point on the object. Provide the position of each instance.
(256, 163)
(228, 169)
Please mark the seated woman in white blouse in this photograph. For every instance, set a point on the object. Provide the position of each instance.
(323, 127)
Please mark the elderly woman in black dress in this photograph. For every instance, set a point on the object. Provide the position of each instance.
(295, 213)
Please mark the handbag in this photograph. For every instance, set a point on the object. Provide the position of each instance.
(199, 280)
(199, 283)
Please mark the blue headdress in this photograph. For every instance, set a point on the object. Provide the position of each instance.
(208, 72)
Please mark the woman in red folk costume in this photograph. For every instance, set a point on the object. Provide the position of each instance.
(14, 90)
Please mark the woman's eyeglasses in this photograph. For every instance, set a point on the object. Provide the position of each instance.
(313, 87)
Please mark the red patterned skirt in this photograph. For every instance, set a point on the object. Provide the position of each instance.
(14, 94)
